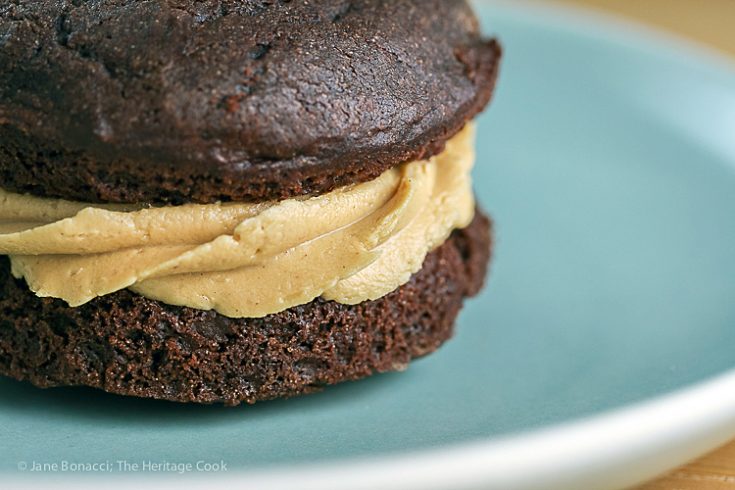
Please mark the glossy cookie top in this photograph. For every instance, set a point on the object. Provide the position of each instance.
(199, 101)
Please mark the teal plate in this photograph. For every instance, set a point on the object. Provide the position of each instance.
(598, 353)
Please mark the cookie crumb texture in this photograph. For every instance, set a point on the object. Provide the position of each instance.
(129, 345)
(205, 100)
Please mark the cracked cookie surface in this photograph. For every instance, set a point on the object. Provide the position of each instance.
(178, 101)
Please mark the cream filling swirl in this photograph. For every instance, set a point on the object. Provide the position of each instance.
(351, 245)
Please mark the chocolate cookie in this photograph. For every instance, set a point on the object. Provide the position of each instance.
(127, 344)
(205, 100)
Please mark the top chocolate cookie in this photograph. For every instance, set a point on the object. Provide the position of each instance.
(204, 100)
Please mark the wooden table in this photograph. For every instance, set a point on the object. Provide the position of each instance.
(710, 22)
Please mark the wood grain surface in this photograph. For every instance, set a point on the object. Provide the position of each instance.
(709, 22)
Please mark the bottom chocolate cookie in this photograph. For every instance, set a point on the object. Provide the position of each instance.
(126, 344)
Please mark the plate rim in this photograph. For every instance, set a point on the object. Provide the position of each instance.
(649, 436)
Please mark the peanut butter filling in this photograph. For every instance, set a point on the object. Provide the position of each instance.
(351, 245)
